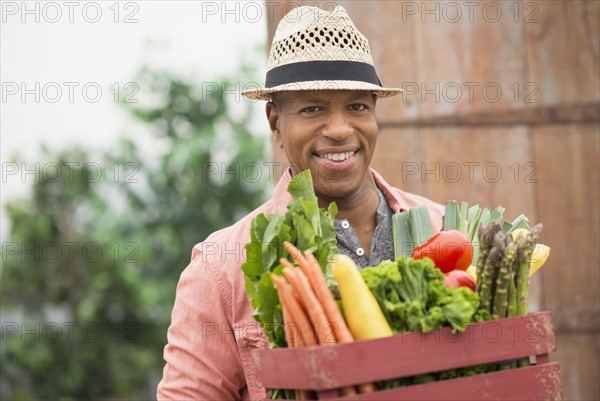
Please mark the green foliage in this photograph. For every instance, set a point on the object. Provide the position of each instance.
(124, 241)
(413, 297)
(305, 225)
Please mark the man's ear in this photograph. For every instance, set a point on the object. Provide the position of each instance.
(273, 118)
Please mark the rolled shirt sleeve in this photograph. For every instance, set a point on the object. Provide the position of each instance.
(202, 358)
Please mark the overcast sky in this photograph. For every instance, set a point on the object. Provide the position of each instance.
(61, 64)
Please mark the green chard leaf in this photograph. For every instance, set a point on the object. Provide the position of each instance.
(305, 225)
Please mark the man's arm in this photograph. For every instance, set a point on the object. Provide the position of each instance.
(202, 362)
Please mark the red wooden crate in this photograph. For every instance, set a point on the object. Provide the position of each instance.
(326, 368)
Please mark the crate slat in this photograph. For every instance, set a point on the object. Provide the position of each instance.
(541, 382)
(327, 367)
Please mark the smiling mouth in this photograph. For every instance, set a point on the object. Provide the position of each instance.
(336, 156)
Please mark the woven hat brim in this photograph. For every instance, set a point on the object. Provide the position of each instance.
(265, 93)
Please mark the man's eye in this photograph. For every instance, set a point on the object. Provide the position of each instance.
(358, 107)
(310, 109)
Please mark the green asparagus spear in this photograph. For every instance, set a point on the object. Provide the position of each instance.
(526, 245)
(499, 245)
(486, 239)
(487, 291)
(485, 244)
(503, 281)
(512, 299)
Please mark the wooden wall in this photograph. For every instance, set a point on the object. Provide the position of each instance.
(533, 148)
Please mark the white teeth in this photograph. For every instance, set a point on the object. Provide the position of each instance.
(337, 156)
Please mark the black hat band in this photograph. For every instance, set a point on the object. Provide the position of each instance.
(322, 71)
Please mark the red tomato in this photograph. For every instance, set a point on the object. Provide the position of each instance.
(459, 278)
(449, 250)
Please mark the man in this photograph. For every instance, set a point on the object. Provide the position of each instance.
(321, 89)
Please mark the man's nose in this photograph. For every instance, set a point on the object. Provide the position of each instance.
(337, 126)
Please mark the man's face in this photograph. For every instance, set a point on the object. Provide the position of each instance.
(332, 133)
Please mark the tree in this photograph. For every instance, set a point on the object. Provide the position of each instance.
(107, 253)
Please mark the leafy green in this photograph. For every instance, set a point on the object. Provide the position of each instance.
(413, 296)
(305, 225)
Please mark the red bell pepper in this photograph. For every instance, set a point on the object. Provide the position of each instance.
(449, 250)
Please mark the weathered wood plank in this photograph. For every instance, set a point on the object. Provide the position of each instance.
(486, 166)
(578, 355)
(563, 50)
(532, 383)
(398, 154)
(568, 203)
(469, 63)
(536, 115)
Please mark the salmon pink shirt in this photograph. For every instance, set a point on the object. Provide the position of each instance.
(212, 332)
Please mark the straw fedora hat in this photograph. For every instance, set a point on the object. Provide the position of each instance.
(314, 49)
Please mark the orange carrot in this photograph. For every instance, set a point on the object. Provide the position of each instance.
(309, 265)
(293, 340)
(296, 313)
(311, 268)
(309, 300)
(334, 318)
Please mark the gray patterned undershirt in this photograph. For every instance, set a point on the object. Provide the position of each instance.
(382, 247)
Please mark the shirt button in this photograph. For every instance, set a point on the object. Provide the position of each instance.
(360, 251)
(345, 224)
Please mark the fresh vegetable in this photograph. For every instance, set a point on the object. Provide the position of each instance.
(413, 297)
(294, 339)
(449, 250)
(468, 220)
(297, 316)
(410, 228)
(305, 225)
(503, 270)
(307, 298)
(313, 273)
(363, 313)
(315, 286)
(459, 278)
(540, 253)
